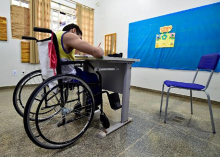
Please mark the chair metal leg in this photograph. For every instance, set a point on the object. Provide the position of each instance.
(210, 111)
(191, 101)
(165, 116)
(161, 98)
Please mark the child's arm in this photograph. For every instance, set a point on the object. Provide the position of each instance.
(73, 41)
(77, 52)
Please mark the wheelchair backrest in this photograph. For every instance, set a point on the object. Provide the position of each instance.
(43, 50)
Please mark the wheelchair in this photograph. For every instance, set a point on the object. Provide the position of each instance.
(61, 108)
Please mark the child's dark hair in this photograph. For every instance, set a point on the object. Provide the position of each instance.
(71, 26)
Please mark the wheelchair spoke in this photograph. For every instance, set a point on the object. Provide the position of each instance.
(37, 99)
(37, 131)
(32, 115)
(54, 126)
(72, 100)
(72, 120)
(41, 122)
(34, 133)
(48, 121)
(46, 107)
(55, 95)
(19, 100)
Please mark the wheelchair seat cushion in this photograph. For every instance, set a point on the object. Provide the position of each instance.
(193, 86)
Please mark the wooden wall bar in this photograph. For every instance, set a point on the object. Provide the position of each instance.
(3, 29)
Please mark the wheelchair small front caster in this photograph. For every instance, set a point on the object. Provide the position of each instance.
(104, 120)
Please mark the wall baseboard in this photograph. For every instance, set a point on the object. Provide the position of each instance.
(176, 95)
(8, 87)
(154, 91)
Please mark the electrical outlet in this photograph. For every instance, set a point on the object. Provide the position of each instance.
(23, 72)
(14, 72)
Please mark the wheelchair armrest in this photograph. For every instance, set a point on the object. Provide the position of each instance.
(29, 38)
(82, 62)
(77, 62)
(43, 30)
(71, 62)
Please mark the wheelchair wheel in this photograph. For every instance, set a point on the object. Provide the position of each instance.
(61, 123)
(24, 88)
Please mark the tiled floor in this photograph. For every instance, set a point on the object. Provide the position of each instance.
(183, 134)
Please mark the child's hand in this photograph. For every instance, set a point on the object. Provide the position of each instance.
(101, 52)
(101, 57)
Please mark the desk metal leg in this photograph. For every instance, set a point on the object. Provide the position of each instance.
(125, 104)
(126, 93)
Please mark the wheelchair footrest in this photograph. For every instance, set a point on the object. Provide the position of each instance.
(114, 101)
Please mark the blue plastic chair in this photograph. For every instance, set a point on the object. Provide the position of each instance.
(207, 62)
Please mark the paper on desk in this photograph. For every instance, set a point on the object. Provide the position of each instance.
(83, 56)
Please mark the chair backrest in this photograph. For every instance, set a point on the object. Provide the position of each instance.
(209, 61)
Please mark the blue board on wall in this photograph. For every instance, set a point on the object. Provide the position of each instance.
(197, 32)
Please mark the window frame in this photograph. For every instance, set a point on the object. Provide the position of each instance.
(60, 11)
(108, 43)
(20, 3)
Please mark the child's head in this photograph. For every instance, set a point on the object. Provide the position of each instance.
(74, 29)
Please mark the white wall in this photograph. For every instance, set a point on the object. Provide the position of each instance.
(115, 16)
(10, 53)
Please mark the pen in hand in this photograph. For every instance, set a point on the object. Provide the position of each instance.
(103, 51)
